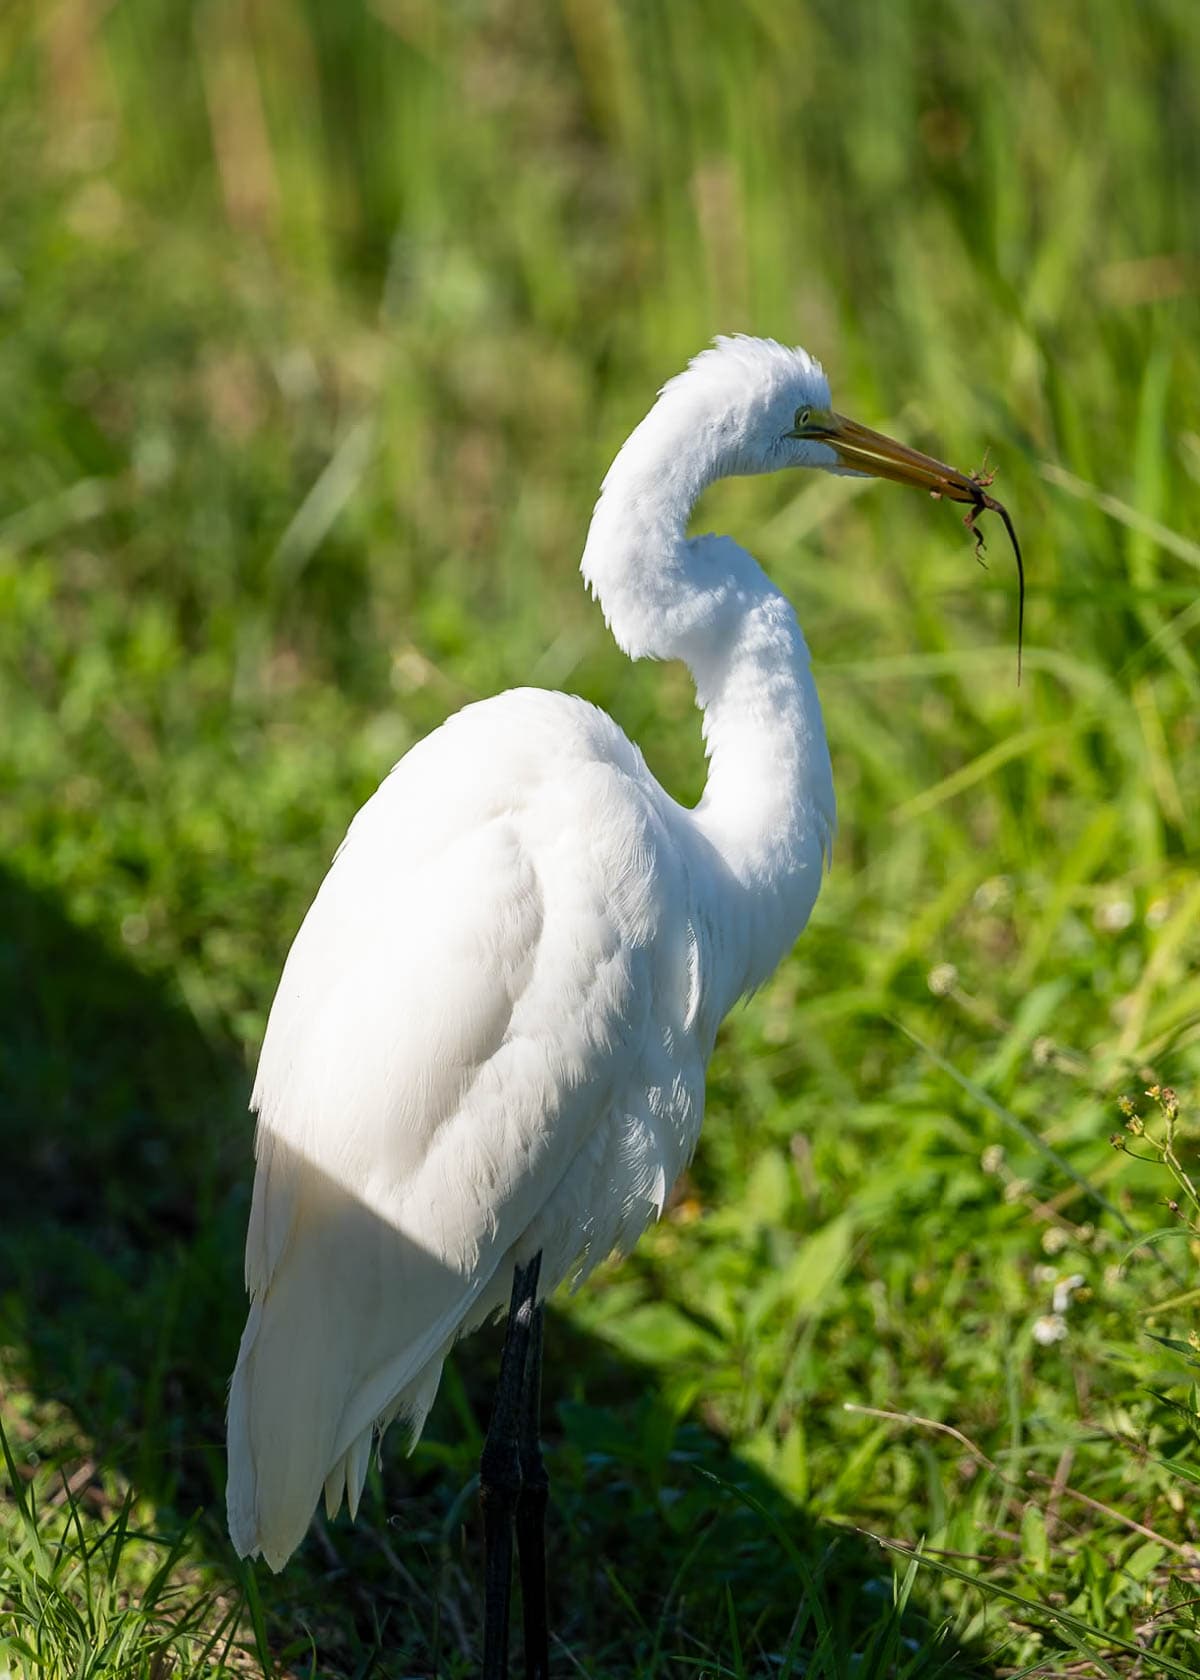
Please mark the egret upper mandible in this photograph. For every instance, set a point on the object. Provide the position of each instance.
(484, 1067)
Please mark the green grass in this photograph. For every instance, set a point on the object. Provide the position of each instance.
(318, 327)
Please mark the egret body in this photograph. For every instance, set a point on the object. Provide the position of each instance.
(489, 1042)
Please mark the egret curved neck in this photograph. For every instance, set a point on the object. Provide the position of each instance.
(637, 560)
(768, 807)
(767, 814)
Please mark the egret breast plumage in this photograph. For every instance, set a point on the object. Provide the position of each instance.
(490, 1037)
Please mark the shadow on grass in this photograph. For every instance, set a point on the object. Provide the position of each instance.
(122, 1216)
(120, 1211)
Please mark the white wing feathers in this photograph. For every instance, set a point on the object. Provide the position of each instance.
(478, 1027)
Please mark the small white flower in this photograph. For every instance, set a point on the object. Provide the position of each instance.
(1054, 1240)
(942, 979)
(1063, 1292)
(1051, 1328)
(992, 1159)
(1113, 916)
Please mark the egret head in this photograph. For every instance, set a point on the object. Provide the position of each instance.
(751, 405)
(766, 405)
(742, 400)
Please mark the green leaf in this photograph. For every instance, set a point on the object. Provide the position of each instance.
(768, 1192)
(805, 1285)
(660, 1333)
(1189, 1353)
(1035, 1548)
(1142, 1562)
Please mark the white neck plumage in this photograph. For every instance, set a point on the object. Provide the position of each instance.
(767, 809)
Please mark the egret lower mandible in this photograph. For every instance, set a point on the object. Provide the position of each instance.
(484, 1066)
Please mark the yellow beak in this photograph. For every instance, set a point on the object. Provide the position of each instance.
(862, 450)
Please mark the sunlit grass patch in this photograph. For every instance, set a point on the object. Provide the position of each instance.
(89, 1590)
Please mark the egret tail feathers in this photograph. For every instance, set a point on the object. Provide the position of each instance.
(348, 1334)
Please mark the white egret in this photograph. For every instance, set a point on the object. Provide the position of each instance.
(484, 1067)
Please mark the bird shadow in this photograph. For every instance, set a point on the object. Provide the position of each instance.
(122, 1218)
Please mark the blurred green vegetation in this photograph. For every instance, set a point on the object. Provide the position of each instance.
(319, 325)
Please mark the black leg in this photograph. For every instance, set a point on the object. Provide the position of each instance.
(500, 1471)
(531, 1512)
